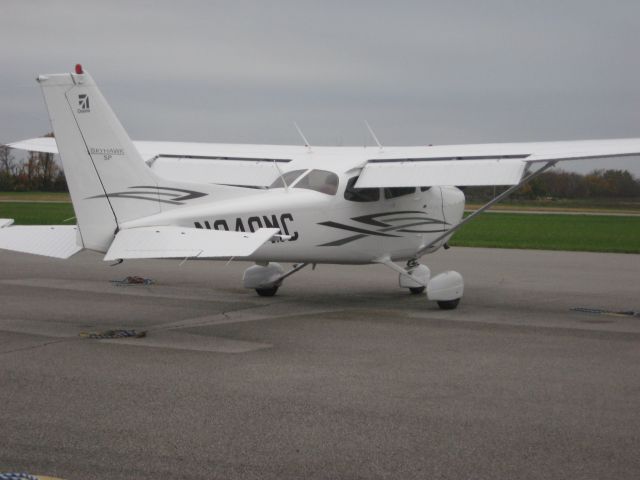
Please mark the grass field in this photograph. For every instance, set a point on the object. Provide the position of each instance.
(589, 233)
(592, 233)
(32, 213)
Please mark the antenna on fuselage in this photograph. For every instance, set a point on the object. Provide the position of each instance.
(304, 139)
(374, 136)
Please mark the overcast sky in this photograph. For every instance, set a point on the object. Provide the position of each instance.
(419, 71)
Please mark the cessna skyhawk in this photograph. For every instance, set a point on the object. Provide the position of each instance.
(268, 203)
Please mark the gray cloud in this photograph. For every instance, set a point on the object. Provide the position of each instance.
(420, 72)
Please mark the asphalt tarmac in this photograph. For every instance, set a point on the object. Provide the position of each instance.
(342, 375)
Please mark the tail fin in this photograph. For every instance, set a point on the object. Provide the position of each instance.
(104, 170)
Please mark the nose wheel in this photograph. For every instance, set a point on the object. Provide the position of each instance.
(448, 304)
(268, 291)
(265, 279)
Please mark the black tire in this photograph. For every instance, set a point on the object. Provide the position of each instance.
(416, 290)
(448, 304)
(267, 292)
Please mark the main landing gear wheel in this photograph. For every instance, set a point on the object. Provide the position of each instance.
(417, 290)
(268, 291)
(448, 304)
(266, 279)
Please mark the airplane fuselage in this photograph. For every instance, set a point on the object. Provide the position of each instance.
(322, 228)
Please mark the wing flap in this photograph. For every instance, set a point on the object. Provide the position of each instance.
(426, 173)
(184, 242)
(58, 241)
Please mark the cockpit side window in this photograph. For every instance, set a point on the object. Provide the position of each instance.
(319, 180)
(288, 178)
(394, 192)
(360, 194)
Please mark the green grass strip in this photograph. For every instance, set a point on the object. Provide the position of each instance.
(587, 233)
(30, 213)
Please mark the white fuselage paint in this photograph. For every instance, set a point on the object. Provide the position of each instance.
(328, 228)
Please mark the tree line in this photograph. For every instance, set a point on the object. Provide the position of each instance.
(560, 184)
(40, 172)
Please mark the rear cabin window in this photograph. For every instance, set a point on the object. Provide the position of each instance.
(398, 191)
(360, 194)
(319, 180)
(288, 178)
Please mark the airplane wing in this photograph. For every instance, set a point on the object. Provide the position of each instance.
(489, 164)
(195, 150)
(184, 242)
(226, 164)
(459, 165)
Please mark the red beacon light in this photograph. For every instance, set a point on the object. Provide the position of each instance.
(79, 70)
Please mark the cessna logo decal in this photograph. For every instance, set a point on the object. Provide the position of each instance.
(83, 102)
(172, 196)
(390, 224)
(251, 224)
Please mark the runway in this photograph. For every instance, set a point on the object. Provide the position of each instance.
(341, 375)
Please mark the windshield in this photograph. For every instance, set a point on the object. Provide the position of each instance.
(319, 180)
(288, 178)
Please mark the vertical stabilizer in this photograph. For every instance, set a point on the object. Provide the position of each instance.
(104, 170)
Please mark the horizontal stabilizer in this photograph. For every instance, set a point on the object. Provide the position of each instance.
(184, 242)
(41, 144)
(59, 241)
(427, 173)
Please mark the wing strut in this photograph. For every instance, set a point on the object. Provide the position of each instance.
(296, 268)
(486, 206)
(393, 266)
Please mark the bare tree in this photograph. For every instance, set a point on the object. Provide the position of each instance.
(7, 165)
(7, 168)
(47, 170)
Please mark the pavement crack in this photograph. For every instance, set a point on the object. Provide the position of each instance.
(209, 319)
(39, 345)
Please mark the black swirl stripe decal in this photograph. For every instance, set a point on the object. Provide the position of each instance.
(388, 222)
(173, 196)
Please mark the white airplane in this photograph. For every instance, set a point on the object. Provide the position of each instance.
(266, 203)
